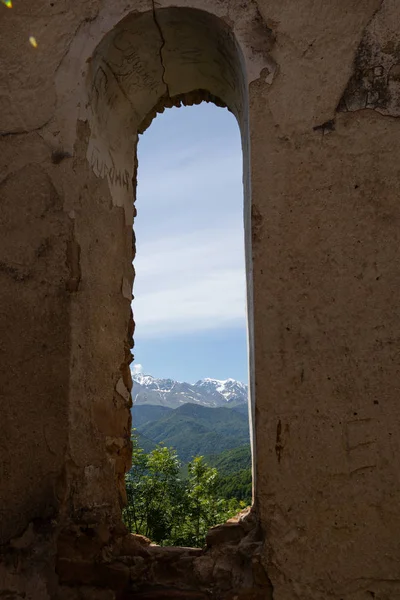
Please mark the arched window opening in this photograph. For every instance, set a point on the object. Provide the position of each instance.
(144, 65)
(191, 448)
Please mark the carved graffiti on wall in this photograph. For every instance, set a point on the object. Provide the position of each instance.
(128, 77)
(361, 444)
(114, 175)
(102, 93)
(128, 63)
(375, 82)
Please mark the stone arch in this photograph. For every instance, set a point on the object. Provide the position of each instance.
(147, 61)
(150, 61)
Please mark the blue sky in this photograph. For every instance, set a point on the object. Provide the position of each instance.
(189, 292)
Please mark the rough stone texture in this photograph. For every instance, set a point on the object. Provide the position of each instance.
(375, 82)
(229, 566)
(315, 90)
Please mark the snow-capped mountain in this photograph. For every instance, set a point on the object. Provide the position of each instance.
(207, 392)
(230, 389)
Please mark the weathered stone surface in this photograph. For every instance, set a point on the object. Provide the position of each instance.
(84, 593)
(130, 543)
(169, 593)
(115, 576)
(315, 88)
(229, 532)
(375, 82)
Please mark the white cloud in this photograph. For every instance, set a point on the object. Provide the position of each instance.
(179, 182)
(192, 282)
(190, 272)
(136, 368)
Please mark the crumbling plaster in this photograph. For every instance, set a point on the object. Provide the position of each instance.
(316, 96)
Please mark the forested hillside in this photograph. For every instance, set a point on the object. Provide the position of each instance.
(231, 461)
(192, 429)
(234, 473)
(146, 413)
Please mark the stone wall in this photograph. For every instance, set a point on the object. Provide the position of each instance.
(314, 88)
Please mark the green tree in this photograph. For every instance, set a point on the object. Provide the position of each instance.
(203, 508)
(165, 508)
(133, 513)
(154, 492)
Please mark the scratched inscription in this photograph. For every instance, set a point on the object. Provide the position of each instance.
(375, 82)
(105, 92)
(361, 444)
(128, 64)
(115, 176)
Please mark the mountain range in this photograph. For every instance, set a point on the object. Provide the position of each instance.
(204, 418)
(213, 393)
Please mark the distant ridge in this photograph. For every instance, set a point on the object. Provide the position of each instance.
(192, 429)
(213, 393)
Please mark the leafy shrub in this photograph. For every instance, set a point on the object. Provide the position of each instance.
(171, 510)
